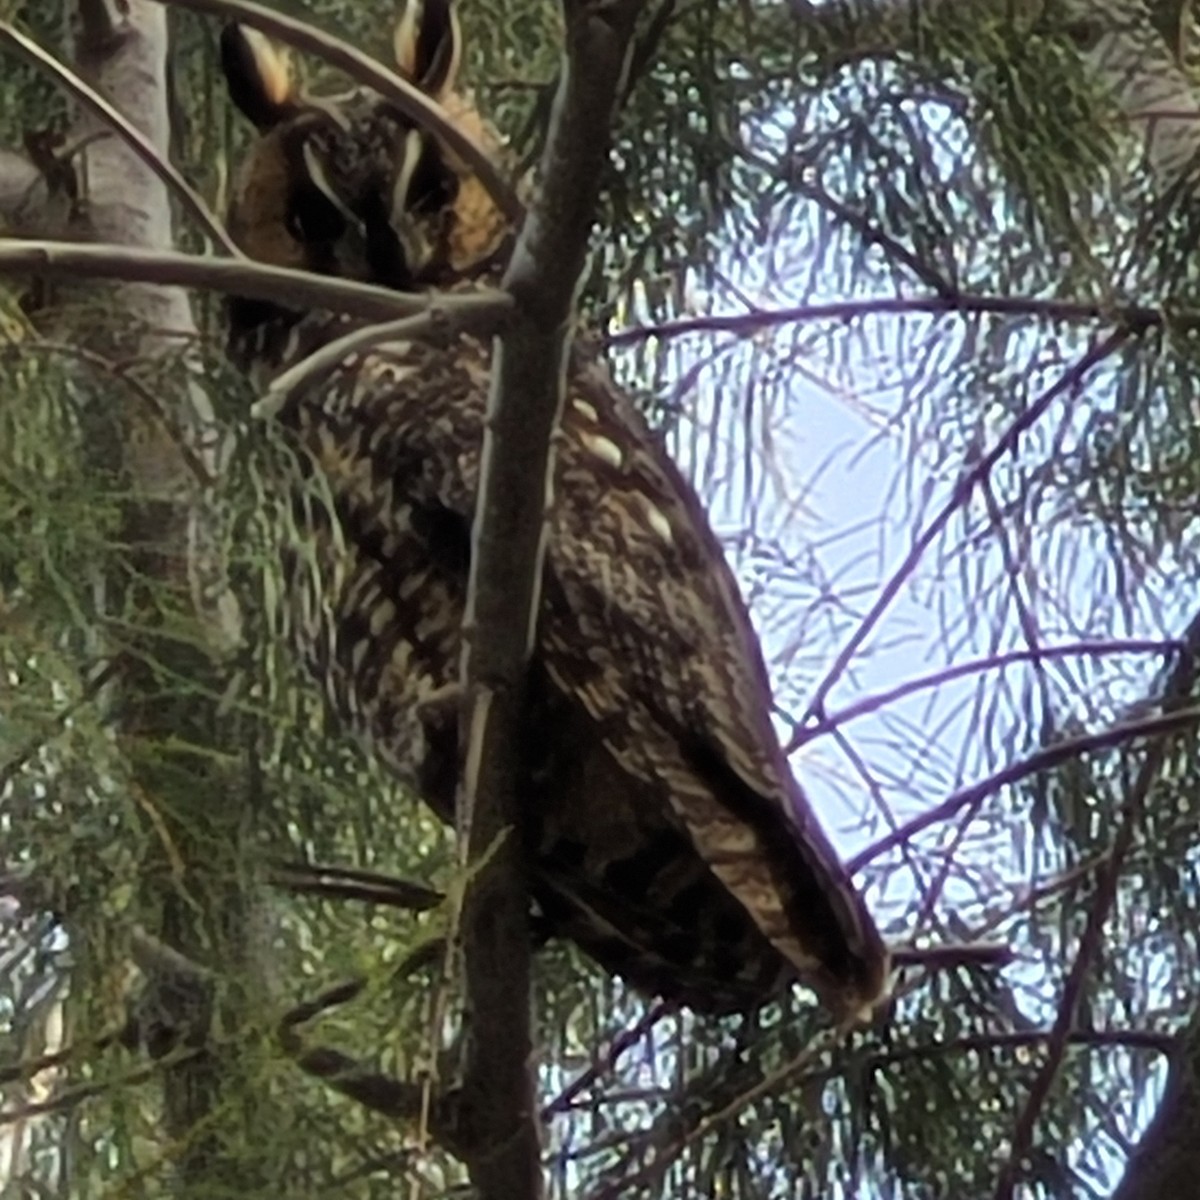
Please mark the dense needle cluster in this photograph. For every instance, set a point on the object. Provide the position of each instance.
(666, 834)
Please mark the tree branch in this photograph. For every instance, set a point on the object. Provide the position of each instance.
(1140, 316)
(506, 568)
(1157, 726)
(444, 314)
(1178, 687)
(605, 1062)
(1069, 381)
(1095, 647)
(352, 883)
(297, 289)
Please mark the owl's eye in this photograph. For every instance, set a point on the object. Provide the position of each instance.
(423, 182)
(316, 211)
(313, 217)
(432, 187)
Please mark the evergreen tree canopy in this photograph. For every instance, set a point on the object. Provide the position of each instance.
(908, 289)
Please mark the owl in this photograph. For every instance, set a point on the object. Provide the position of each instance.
(664, 832)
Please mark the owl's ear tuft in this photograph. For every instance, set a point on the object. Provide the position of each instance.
(427, 43)
(258, 76)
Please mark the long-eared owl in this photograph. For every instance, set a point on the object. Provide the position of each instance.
(666, 835)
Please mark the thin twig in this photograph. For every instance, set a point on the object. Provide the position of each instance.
(1050, 756)
(605, 1062)
(70, 1098)
(1028, 898)
(478, 313)
(880, 800)
(27, 1068)
(860, 708)
(1069, 381)
(928, 905)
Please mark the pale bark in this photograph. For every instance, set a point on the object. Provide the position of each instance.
(169, 455)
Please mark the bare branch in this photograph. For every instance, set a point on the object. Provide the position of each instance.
(1147, 727)
(606, 1061)
(1070, 380)
(1138, 316)
(72, 1097)
(68, 260)
(1178, 688)
(351, 883)
(482, 314)
(506, 570)
(870, 704)
(946, 958)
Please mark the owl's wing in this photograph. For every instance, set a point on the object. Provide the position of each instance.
(643, 623)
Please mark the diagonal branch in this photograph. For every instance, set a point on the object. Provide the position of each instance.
(1094, 647)
(1068, 382)
(1160, 725)
(436, 319)
(1178, 687)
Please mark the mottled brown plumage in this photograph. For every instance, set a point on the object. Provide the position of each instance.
(667, 836)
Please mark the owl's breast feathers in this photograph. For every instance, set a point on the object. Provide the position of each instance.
(671, 841)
